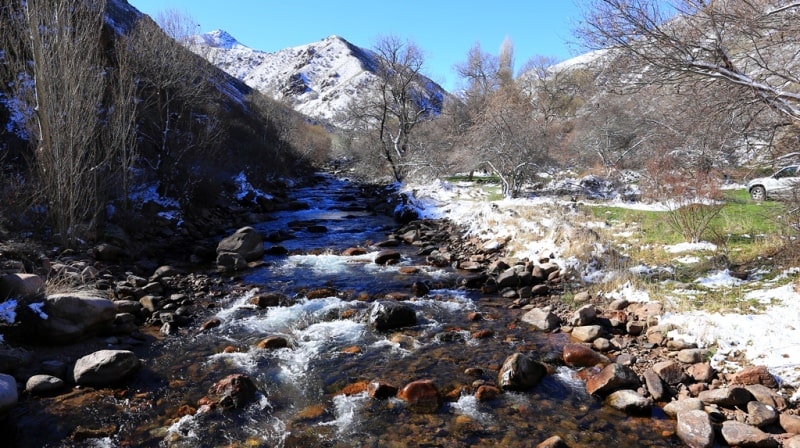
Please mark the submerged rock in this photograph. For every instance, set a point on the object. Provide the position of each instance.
(231, 392)
(421, 396)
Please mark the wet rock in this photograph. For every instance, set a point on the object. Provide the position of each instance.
(741, 434)
(386, 316)
(579, 355)
(320, 293)
(20, 285)
(629, 401)
(520, 373)
(44, 385)
(728, 397)
(420, 289)
(72, 317)
(380, 390)
(755, 375)
(655, 385)
(553, 442)
(487, 392)
(231, 261)
(611, 378)
(421, 396)
(246, 242)
(694, 429)
(273, 342)
(541, 319)
(231, 392)
(211, 323)
(583, 316)
(105, 367)
(8, 393)
(387, 256)
(587, 333)
(674, 408)
(761, 415)
(269, 299)
(354, 251)
(693, 355)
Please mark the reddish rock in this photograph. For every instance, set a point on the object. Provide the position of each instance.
(487, 392)
(408, 270)
(671, 372)
(273, 342)
(613, 377)
(474, 316)
(579, 355)
(233, 391)
(755, 375)
(320, 293)
(354, 251)
(352, 350)
(354, 388)
(553, 442)
(482, 334)
(211, 323)
(380, 390)
(701, 372)
(269, 299)
(421, 396)
(419, 289)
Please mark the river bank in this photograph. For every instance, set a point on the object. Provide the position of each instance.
(321, 326)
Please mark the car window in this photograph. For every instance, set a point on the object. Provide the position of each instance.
(789, 171)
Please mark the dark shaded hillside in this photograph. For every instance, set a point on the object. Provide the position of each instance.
(195, 128)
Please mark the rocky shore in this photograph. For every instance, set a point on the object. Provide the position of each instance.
(83, 320)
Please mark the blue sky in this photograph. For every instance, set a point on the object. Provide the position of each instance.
(444, 29)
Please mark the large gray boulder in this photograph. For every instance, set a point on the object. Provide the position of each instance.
(246, 242)
(105, 368)
(694, 429)
(8, 393)
(71, 317)
(386, 316)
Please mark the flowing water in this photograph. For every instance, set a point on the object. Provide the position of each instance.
(301, 401)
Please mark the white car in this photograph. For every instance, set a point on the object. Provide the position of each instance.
(785, 184)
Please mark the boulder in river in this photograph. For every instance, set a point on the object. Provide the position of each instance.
(245, 242)
(105, 367)
(233, 391)
(386, 316)
(519, 372)
(421, 396)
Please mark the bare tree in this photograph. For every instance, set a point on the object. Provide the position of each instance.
(176, 90)
(53, 50)
(750, 45)
(390, 114)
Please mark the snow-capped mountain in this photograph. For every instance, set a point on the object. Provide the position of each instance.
(317, 79)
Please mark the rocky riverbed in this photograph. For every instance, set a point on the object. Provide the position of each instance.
(86, 359)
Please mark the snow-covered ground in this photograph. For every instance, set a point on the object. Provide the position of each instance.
(769, 336)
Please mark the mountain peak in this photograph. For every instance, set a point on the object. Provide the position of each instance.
(220, 39)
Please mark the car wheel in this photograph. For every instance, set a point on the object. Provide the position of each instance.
(758, 193)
